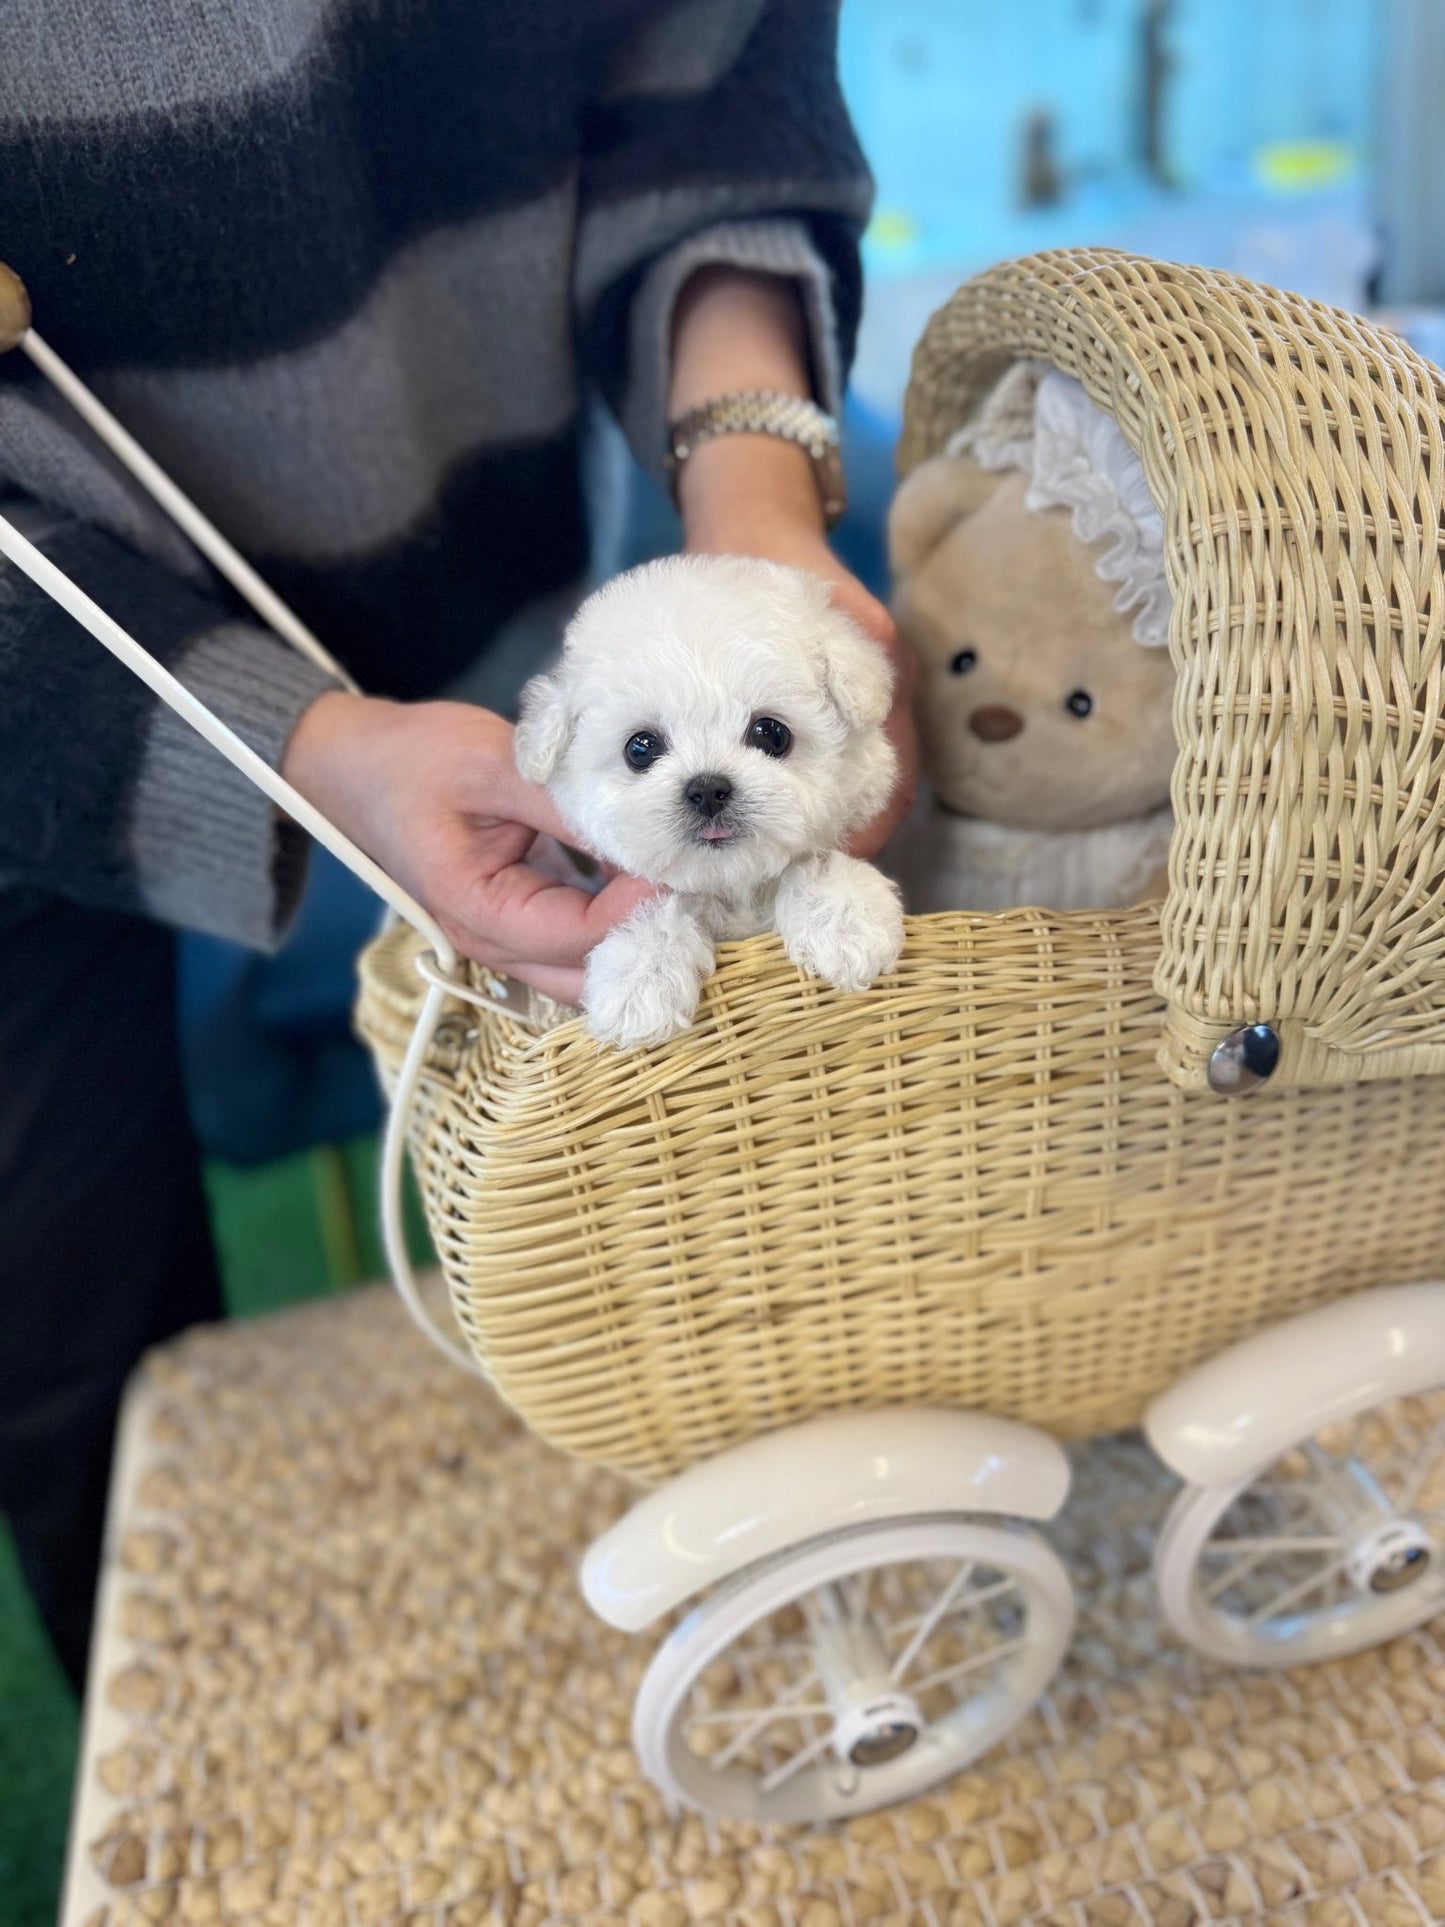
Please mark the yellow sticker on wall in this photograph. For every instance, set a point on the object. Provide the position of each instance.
(892, 229)
(1292, 166)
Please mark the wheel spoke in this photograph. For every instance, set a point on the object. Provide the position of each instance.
(783, 1649)
(969, 1603)
(858, 1591)
(1273, 1607)
(1260, 1550)
(1295, 1497)
(1423, 1467)
(1321, 1544)
(781, 1774)
(969, 1665)
(805, 1710)
(750, 1732)
(930, 1619)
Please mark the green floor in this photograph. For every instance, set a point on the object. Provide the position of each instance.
(290, 1231)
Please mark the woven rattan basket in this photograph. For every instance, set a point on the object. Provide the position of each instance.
(998, 1180)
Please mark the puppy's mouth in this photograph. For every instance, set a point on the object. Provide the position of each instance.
(718, 833)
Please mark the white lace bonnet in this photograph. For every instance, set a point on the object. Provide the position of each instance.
(1042, 422)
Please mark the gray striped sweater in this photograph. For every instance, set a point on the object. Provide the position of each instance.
(351, 270)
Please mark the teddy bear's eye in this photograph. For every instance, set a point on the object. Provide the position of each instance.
(1079, 702)
(965, 660)
(643, 749)
(770, 736)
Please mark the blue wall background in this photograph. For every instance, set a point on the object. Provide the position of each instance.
(940, 90)
(1267, 121)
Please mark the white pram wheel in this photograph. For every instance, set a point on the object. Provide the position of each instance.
(1336, 1545)
(853, 1670)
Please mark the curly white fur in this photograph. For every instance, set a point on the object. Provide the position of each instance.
(1042, 422)
(694, 650)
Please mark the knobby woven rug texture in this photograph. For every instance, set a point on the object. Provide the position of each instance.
(352, 1682)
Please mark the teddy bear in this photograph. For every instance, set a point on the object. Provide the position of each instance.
(1028, 567)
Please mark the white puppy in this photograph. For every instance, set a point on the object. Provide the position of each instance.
(715, 725)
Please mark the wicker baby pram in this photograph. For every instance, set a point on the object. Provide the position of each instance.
(843, 1270)
(975, 1186)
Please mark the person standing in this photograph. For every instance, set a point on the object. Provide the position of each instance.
(352, 274)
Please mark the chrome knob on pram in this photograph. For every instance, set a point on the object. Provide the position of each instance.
(1245, 1059)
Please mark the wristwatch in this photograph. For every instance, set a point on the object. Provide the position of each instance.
(765, 412)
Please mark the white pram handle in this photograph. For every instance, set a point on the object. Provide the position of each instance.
(443, 968)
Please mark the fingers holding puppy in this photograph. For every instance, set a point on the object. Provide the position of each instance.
(529, 927)
(431, 791)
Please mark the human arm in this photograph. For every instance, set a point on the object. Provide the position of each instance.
(757, 495)
(431, 791)
(105, 795)
(722, 200)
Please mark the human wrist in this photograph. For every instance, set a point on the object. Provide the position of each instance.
(308, 756)
(737, 490)
(741, 332)
(736, 329)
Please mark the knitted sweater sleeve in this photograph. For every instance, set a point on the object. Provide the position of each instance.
(108, 797)
(718, 136)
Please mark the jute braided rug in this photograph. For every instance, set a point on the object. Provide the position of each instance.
(346, 1679)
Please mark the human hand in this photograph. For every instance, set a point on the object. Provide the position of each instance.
(431, 792)
(754, 495)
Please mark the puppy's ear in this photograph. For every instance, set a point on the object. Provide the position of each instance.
(544, 729)
(857, 675)
(933, 497)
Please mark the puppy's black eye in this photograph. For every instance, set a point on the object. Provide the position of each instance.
(1079, 703)
(965, 660)
(770, 736)
(643, 749)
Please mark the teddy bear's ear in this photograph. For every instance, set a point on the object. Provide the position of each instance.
(933, 497)
(544, 729)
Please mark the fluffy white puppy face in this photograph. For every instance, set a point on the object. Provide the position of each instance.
(712, 720)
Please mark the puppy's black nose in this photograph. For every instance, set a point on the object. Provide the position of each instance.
(708, 794)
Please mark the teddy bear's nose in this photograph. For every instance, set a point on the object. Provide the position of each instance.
(995, 724)
(708, 794)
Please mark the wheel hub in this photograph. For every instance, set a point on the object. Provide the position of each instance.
(1390, 1557)
(874, 1721)
(874, 1734)
(1388, 1550)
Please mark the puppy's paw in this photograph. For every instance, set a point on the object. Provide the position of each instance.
(643, 980)
(633, 1009)
(841, 920)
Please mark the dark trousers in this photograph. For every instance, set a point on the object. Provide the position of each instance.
(105, 1247)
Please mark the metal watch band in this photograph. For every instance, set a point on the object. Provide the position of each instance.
(765, 412)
